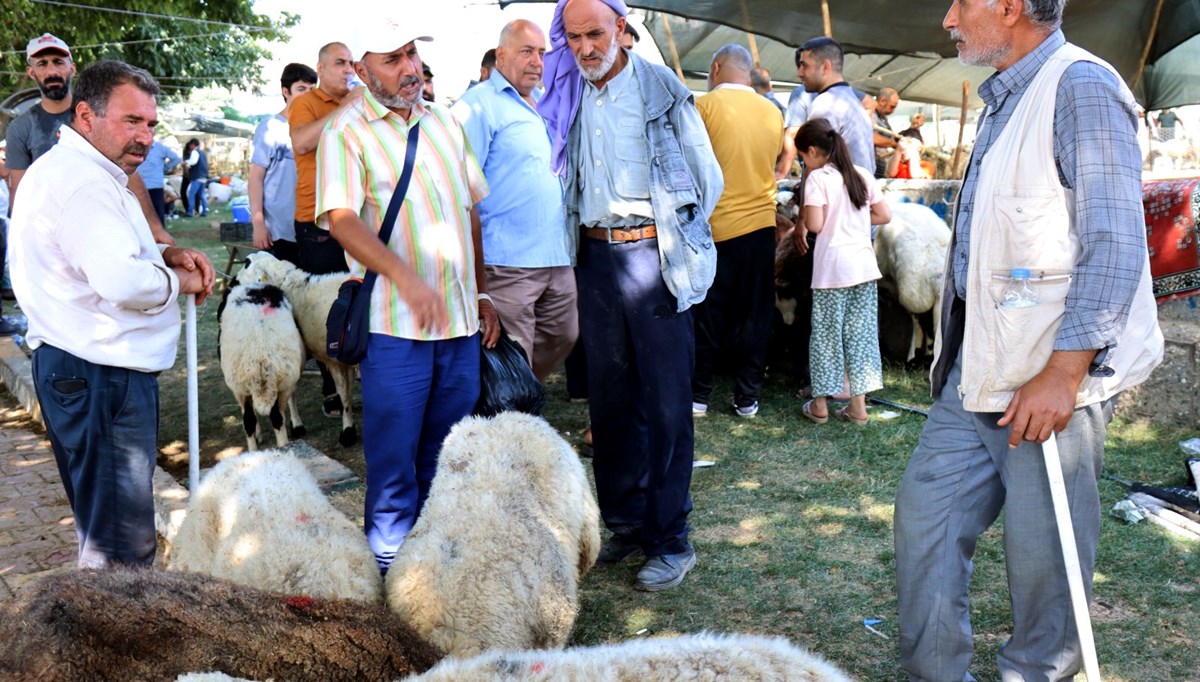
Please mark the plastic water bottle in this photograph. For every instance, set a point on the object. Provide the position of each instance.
(1018, 293)
(353, 81)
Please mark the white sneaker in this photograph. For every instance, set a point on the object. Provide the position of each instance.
(699, 409)
(747, 411)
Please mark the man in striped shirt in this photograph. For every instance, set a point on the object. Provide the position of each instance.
(430, 304)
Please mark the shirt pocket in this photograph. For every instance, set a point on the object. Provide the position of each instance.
(631, 177)
(1024, 337)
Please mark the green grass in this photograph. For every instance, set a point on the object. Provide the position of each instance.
(793, 526)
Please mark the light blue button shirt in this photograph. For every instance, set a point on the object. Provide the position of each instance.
(159, 159)
(273, 151)
(524, 219)
(614, 155)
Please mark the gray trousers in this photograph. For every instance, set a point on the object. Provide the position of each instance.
(961, 474)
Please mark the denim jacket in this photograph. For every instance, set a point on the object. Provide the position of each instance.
(685, 183)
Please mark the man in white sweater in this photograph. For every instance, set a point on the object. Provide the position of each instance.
(100, 296)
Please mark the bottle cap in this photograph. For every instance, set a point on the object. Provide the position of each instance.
(1020, 273)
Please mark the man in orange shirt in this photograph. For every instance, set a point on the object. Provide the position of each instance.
(307, 115)
(319, 252)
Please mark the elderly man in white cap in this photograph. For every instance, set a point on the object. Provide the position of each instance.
(429, 307)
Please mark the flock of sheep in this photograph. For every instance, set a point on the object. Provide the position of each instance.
(266, 580)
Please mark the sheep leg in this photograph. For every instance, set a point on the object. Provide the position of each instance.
(277, 423)
(250, 423)
(298, 430)
(343, 380)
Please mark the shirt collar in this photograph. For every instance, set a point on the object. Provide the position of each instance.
(322, 95)
(498, 81)
(374, 111)
(733, 86)
(71, 138)
(1015, 78)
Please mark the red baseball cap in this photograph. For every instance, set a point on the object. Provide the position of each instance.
(46, 42)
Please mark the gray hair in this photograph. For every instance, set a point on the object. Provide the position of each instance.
(1044, 14)
(96, 83)
(734, 56)
(760, 78)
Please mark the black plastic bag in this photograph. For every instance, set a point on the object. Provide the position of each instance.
(506, 381)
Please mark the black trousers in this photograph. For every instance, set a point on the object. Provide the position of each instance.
(639, 359)
(736, 316)
(320, 254)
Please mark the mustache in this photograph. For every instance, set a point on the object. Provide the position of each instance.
(137, 149)
(955, 34)
(407, 81)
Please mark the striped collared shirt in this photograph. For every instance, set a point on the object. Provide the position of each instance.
(359, 161)
(1096, 150)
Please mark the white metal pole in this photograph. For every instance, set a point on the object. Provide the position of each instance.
(193, 394)
(1070, 552)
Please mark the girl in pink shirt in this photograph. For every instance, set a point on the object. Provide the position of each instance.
(840, 205)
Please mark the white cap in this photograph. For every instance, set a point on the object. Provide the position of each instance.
(45, 42)
(385, 35)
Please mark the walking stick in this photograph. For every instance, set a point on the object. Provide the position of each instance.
(1070, 552)
(193, 394)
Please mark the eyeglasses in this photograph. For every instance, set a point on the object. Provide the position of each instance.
(44, 62)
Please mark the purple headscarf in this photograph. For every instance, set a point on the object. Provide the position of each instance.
(564, 85)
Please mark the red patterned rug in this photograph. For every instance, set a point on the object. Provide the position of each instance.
(1172, 212)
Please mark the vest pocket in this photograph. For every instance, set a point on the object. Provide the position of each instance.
(1023, 338)
(1034, 231)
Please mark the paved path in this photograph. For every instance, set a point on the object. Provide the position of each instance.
(37, 532)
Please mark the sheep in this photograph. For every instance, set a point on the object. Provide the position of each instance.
(144, 624)
(713, 658)
(911, 253)
(311, 296)
(260, 520)
(509, 529)
(261, 355)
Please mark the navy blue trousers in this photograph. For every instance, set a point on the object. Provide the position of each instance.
(103, 427)
(412, 393)
(640, 353)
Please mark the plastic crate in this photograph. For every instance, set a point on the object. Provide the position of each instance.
(237, 232)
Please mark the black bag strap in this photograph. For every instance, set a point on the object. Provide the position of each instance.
(393, 209)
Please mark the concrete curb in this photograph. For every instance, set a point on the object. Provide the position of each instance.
(170, 498)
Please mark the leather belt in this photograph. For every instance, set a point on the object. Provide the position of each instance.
(621, 234)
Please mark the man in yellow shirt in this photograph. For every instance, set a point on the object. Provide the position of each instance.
(746, 132)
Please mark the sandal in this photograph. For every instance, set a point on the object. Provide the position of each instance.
(585, 448)
(844, 415)
(807, 411)
(332, 407)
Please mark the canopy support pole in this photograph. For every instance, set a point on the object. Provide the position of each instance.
(1137, 77)
(749, 35)
(962, 123)
(671, 44)
(828, 21)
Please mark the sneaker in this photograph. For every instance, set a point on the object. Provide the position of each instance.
(616, 549)
(747, 411)
(665, 571)
(699, 409)
(7, 328)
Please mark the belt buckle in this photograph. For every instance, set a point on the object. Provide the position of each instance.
(610, 235)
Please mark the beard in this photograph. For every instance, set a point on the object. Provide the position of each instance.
(55, 89)
(986, 50)
(393, 100)
(606, 63)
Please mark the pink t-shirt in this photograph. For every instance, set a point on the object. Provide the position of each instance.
(844, 255)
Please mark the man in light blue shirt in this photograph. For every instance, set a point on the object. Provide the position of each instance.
(272, 186)
(159, 160)
(525, 241)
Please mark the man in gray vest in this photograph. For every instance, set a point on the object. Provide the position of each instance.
(1056, 188)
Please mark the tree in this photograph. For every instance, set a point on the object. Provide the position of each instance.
(225, 48)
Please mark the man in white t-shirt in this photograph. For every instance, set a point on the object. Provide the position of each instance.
(820, 67)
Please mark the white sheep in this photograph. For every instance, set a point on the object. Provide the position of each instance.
(311, 296)
(508, 530)
(911, 252)
(262, 356)
(260, 520)
(707, 657)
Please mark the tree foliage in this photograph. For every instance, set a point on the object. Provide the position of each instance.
(182, 54)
